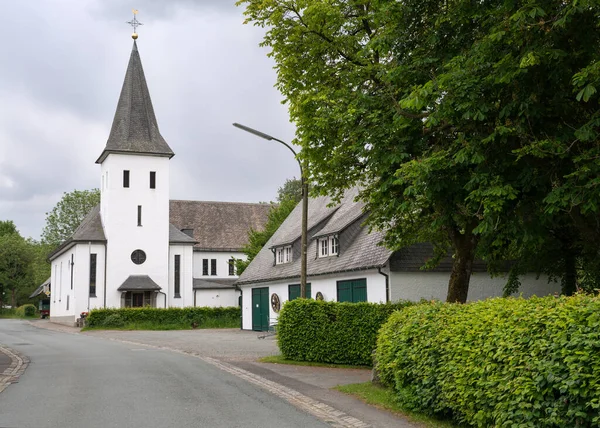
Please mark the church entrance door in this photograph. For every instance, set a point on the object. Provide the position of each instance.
(137, 300)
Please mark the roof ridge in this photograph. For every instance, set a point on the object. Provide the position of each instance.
(225, 202)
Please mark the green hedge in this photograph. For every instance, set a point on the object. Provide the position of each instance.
(198, 317)
(500, 362)
(331, 332)
(27, 310)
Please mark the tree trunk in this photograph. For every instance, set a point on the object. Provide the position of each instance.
(569, 286)
(462, 266)
(13, 300)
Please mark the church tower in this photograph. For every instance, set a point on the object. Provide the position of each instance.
(135, 196)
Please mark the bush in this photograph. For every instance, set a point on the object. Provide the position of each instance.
(500, 362)
(198, 317)
(27, 310)
(331, 332)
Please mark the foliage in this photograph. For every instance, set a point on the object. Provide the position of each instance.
(472, 125)
(68, 214)
(155, 318)
(499, 362)
(291, 189)
(26, 311)
(331, 332)
(40, 266)
(15, 267)
(8, 227)
(258, 238)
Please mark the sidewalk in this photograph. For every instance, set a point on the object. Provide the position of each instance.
(237, 351)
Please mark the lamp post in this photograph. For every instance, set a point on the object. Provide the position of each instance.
(304, 185)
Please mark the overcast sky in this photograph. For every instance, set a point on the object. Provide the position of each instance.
(62, 68)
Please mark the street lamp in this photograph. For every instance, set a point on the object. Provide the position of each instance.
(304, 184)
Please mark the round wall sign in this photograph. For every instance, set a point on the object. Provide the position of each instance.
(275, 303)
(319, 296)
(138, 257)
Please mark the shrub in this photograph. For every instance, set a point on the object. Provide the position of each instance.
(500, 362)
(200, 317)
(331, 332)
(27, 310)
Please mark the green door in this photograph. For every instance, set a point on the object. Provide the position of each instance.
(260, 309)
(352, 290)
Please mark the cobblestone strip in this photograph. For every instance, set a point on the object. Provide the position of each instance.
(325, 412)
(19, 363)
(321, 410)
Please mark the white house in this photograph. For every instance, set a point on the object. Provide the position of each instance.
(346, 263)
(138, 248)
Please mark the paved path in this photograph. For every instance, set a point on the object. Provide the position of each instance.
(235, 352)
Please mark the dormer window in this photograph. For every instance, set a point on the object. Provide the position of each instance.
(329, 246)
(283, 255)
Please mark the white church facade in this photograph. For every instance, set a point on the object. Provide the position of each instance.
(138, 247)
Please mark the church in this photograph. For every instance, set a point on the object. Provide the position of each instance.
(139, 248)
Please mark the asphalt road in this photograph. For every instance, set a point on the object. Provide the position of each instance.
(78, 380)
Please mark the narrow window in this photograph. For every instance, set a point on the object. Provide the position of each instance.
(71, 269)
(93, 258)
(324, 247)
(231, 267)
(126, 178)
(335, 245)
(139, 215)
(177, 275)
(288, 254)
(204, 267)
(153, 179)
(213, 266)
(279, 255)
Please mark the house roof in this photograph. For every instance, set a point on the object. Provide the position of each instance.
(212, 284)
(139, 283)
(89, 230)
(414, 257)
(360, 251)
(40, 289)
(178, 237)
(219, 226)
(134, 128)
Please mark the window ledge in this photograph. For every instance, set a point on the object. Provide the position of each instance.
(177, 296)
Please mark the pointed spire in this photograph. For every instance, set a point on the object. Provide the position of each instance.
(134, 128)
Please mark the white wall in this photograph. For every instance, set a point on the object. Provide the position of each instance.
(186, 291)
(222, 258)
(217, 298)
(326, 284)
(434, 285)
(119, 216)
(78, 297)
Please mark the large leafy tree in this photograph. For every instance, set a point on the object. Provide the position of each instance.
(68, 213)
(473, 125)
(15, 266)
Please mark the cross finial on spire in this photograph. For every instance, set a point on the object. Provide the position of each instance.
(134, 23)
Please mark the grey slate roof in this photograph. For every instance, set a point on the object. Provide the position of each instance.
(40, 289)
(178, 237)
(218, 226)
(359, 249)
(90, 230)
(134, 128)
(139, 283)
(213, 284)
(413, 257)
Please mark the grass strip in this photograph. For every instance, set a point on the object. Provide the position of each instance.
(280, 359)
(171, 326)
(384, 398)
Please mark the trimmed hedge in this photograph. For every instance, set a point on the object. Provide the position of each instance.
(331, 332)
(27, 310)
(500, 362)
(197, 317)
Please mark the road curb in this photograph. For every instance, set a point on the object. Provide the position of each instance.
(19, 363)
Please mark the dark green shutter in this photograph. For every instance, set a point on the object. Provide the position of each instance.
(344, 291)
(353, 290)
(294, 291)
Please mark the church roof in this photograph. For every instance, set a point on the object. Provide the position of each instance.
(138, 283)
(89, 230)
(178, 237)
(213, 284)
(218, 226)
(134, 128)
